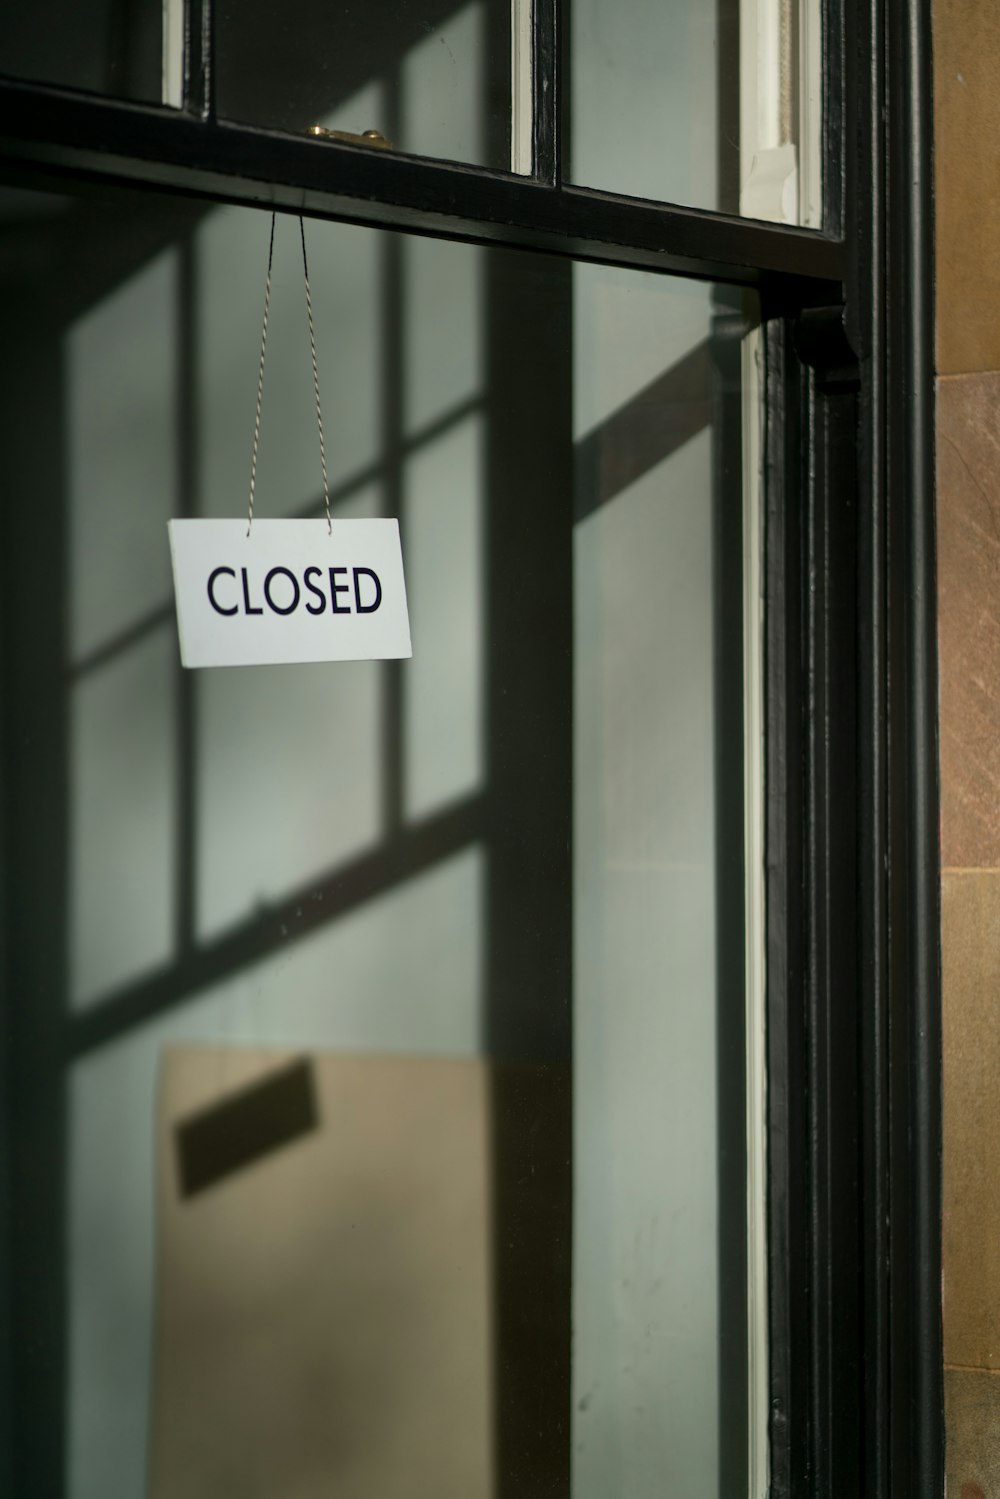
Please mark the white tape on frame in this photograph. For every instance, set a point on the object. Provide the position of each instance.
(290, 591)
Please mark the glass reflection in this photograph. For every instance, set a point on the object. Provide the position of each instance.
(122, 796)
(442, 684)
(716, 105)
(656, 99)
(645, 1260)
(122, 412)
(348, 991)
(431, 77)
(424, 962)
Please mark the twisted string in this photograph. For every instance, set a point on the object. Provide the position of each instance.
(315, 369)
(315, 375)
(260, 377)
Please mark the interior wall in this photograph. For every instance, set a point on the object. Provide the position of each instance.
(967, 173)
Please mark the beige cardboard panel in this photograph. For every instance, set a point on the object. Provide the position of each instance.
(971, 983)
(967, 183)
(323, 1317)
(969, 618)
(972, 1420)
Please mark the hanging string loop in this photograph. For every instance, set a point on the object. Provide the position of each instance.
(315, 376)
(260, 377)
(315, 370)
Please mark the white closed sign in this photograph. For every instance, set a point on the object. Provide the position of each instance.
(290, 591)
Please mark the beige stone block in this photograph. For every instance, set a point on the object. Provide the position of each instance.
(971, 1025)
(972, 1434)
(324, 1298)
(967, 183)
(968, 507)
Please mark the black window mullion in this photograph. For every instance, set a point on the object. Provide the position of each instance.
(48, 133)
(547, 83)
(199, 58)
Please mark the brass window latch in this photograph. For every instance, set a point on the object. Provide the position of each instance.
(366, 138)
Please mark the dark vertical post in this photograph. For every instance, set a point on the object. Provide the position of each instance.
(550, 92)
(35, 813)
(186, 504)
(392, 312)
(529, 904)
(889, 232)
(914, 1030)
(834, 144)
(391, 672)
(727, 85)
(785, 878)
(199, 59)
(497, 102)
(390, 394)
(832, 957)
(728, 330)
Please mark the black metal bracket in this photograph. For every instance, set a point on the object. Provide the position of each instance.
(823, 344)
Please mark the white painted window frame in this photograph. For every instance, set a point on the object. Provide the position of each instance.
(781, 111)
(172, 86)
(521, 87)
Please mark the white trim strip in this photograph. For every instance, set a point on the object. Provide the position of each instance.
(172, 86)
(521, 101)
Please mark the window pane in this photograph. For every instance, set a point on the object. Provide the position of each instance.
(431, 78)
(654, 1234)
(117, 47)
(715, 105)
(378, 1086)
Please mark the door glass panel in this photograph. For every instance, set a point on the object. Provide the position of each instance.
(375, 1061)
(430, 76)
(714, 105)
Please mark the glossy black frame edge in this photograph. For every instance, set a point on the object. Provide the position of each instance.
(546, 79)
(853, 855)
(785, 882)
(199, 58)
(904, 408)
(815, 914)
(834, 116)
(901, 985)
(54, 132)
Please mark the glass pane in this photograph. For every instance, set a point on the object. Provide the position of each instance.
(375, 1057)
(713, 105)
(113, 47)
(432, 79)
